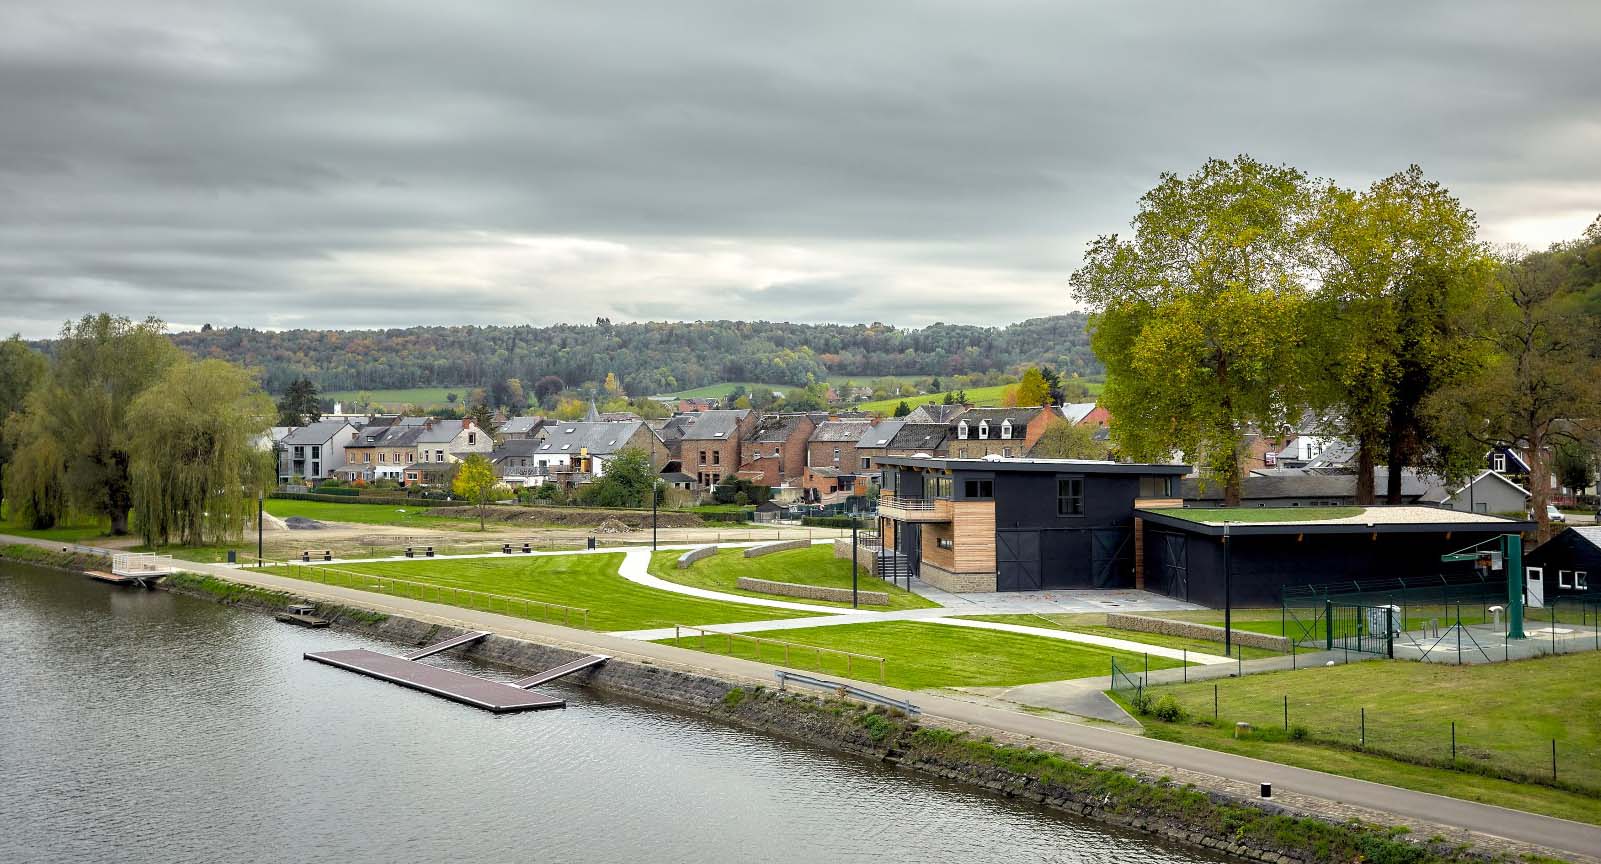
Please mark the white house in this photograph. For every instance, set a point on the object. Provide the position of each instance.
(314, 451)
(1490, 492)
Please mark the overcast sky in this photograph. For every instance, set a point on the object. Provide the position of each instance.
(355, 164)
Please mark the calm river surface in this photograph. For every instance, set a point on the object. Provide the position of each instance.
(141, 726)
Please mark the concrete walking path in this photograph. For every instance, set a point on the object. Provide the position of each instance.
(1239, 772)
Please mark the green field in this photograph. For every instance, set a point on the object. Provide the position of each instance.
(1507, 715)
(979, 396)
(921, 655)
(815, 565)
(585, 581)
(422, 397)
(366, 514)
(721, 389)
(1094, 624)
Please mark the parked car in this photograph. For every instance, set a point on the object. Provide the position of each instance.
(1555, 515)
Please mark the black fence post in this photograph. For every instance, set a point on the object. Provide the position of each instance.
(1364, 741)
(1553, 760)
(1286, 713)
(1453, 742)
(1214, 704)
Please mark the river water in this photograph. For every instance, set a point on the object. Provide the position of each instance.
(143, 726)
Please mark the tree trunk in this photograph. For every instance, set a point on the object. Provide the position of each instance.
(1396, 458)
(119, 520)
(1364, 470)
(1539, 486)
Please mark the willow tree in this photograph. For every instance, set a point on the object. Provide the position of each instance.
(21, 371)
(1402, 280)
(197, 460)
(1197, 317)
(35, 480)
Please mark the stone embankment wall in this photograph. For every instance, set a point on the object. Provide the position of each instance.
(811, 592)
(770, 548)
(1192, 630)
(694, 555)
(864, 555)
(1190, 809)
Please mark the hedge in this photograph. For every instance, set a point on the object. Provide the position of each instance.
(400, 500)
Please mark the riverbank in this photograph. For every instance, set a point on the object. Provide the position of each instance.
(1183, 806)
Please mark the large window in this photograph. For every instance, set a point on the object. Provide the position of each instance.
(1070, 496)
(1156, 487)
(937, 486)
(978, 489)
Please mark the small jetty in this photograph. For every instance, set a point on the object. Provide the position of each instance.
(136, 568)
(302, 615)
(493, 696)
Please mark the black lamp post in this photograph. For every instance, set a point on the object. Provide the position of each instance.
(853, 559)
(1228, 595)
(261, 509)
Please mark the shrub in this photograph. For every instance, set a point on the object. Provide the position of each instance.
(877, 726)
(1168, 710)
(1299, 732)
(1141, 702)
(732, 698)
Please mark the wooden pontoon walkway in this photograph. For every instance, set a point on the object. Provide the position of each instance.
(455, 686)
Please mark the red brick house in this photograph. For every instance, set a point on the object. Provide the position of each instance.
(833, 444)
(706, 444)
(980, 432)
(774, 453)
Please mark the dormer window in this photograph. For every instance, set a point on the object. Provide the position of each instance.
(1006, 428)
(1498, 462)
(961, 430)
(983, 429)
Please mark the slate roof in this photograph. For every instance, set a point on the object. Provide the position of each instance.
(705, 425)
(840, 430)
(515, 448)
(921, 437)
(1439, 492)
(440, 432)
(571, 437)
(933, 412)
(880, 435)
(315, 433)
(519, 425)
(996, 416)
(776, 428)
(1300, 483)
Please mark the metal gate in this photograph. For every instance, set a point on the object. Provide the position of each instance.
(1017, 561)
(1365, 629)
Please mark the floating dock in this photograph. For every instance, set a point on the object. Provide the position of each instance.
(460, 687)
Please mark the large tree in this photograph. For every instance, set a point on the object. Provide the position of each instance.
(21, 370)
(197, 464)
(627, 482)
(102, 364)
(1033, 391)
(1541, 387)
(299, 404)
(1401, 278)
(1197, 317)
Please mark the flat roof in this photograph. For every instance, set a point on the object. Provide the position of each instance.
(1327, 520)
(1016, 463)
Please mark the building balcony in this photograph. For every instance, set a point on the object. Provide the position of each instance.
(915, 509)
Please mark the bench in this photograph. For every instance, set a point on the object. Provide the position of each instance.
(511, 548)
(427, 551)
(317, 554)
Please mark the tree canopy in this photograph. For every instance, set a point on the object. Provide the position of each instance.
(475, 482)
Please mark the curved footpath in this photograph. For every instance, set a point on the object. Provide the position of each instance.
(1341, 794)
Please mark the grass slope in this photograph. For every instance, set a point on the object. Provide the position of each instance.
(978, 396)
(815, 565)
(1095, 625)
(586, 581)
(921, 655)
(366, 514)
(74, 530)
(1506, 716)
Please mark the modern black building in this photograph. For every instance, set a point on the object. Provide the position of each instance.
(1191, 554)
(1567, 563)
(1011, 524)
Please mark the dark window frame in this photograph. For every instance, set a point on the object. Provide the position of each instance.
(1070, 496)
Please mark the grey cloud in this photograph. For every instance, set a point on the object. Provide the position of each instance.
(383, 164)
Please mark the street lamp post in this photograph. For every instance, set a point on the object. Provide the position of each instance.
(261, 509)
(654, 479)
(1228, 595)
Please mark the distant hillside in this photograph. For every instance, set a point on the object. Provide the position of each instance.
(653, 357)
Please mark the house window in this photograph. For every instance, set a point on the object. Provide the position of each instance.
(300, 453)
(1498, 461)
(978, 489)
(717, 457)
(945, 543)
(983, 428)
(1581, 580)
(439, 456)
(1070, 496)
(366, 456)
(775, 453)
(1007, 452)
(316, 451)
(1156, 487)
(938, 486)
(1564, 578)
(472, 438)
(382, 457)
(316, 469)
(1006, 430)
(867, 462)
(836, 455)
(961, 430)
(703, 457)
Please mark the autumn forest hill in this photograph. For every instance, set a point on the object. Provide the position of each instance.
(646, 358)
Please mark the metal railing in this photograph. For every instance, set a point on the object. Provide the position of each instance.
(898, 503)
(429, 592)
(844, 690)
(790, 648)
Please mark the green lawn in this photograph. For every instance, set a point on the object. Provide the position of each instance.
(74, 530)
(920, 655)
(815, 565)
(585, 581)
(1095, 625)
(1218, 515)
(422, 397)
(366, 514)
(1506, 716)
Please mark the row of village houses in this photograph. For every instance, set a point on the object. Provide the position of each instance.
(813, 456)
(823, 458)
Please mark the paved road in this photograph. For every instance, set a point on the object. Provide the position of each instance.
(1571, 837)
